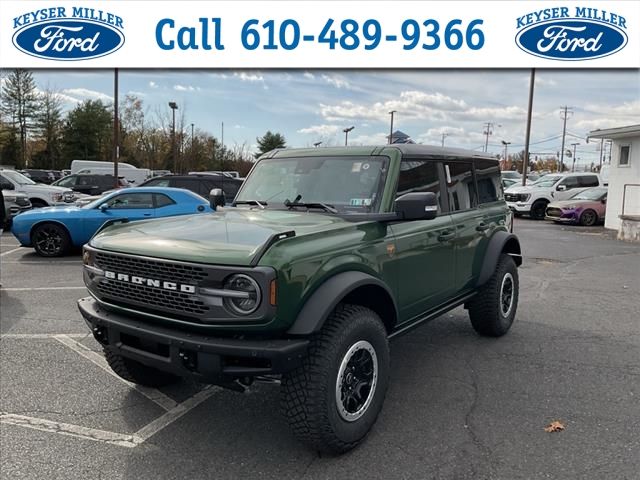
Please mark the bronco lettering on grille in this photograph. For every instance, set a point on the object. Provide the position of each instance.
(150, 282)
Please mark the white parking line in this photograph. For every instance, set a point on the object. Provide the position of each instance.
(152, 394)
(9, 252)
(94, 434)
(29, 336)
(174, 414)
(39, 289)
(42, 262)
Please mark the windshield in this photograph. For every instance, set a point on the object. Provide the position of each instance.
(547, 181)
(348, 184)
(17, 177)
(590, 194)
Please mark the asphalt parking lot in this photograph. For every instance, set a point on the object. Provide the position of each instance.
(458, 407)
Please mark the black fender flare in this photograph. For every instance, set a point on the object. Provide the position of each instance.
(500, 242)
(324, 300)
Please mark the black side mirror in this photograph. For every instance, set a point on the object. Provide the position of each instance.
(6, 186)
(216, 198)
(417, 206)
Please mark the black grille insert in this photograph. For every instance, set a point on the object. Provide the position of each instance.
(156, 269)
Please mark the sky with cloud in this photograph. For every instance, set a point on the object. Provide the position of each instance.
(312, 106)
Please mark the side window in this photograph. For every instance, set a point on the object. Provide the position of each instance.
(570, 182)
(131, 200)
(187, 184)
(462, 192)
(625, 150)
(230, 189)
(488, 181)
(588, 181)
(163, 200)
(160, 182)
(105, 181)
(419, 176)
(68, 182)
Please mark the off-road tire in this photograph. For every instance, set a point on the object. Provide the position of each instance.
(57, 233)
(588, 218)
(538, 209)
(486, 311)
(136, 372)
(308, 394)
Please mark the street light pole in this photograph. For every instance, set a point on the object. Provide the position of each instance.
(346, 134)
(192, 153)
(392, 112)
(116, 130)
(174, 107)
(573, 164)
(444, 135)
(504, 158)
(525, 164)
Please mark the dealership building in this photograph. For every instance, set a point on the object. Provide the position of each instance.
(623, 199)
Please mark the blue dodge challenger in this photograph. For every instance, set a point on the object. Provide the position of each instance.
(53, 231)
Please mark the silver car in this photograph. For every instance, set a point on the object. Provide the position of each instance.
(15, 203)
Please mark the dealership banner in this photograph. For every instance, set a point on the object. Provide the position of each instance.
(319, 34)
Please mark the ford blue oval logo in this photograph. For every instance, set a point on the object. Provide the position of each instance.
(571, 39)
(68, 39)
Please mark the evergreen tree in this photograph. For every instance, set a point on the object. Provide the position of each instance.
(18, 105)
(270, 141)
(87, 132)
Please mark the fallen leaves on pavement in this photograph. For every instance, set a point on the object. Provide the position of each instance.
(555, 426)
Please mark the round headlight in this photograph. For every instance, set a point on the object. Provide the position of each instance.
(247, 299)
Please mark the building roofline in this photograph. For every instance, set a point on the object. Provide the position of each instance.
(618, 132)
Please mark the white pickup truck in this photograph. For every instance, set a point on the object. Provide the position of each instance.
(533, 199)
(40, 195)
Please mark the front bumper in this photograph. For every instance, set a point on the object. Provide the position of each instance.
(520, 207)
(201, 357)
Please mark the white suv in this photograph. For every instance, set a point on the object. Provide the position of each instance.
(39, 194)
(533, 199)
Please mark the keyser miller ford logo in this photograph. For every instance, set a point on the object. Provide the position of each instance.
(61, 33)
(553, 33)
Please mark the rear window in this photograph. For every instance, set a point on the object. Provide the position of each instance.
(488, 180)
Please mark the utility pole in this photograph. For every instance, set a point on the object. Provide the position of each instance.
(444, 135)
(488, 131)
(392, 112)
(564, 114)
(525, 165)
(573, 164)
(116, 130)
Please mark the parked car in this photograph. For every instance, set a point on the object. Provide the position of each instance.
(322, 260)
(533, 199)
(53, 231)
(507, 182)
(40, 195)
(14, 203)
(90, 184)
(40, 176)
(202, 184)
(511, 174)
(587, 207)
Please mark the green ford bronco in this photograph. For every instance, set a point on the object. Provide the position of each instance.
(324, 256)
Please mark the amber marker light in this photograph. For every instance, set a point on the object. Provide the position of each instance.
(272, 293)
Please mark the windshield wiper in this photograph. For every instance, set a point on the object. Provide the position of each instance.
(251, 202)
(324, 206)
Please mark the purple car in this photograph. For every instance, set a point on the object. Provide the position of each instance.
(586, 207)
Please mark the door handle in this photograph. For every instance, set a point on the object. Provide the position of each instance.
(482, 227)
(146, 214)
(446, 235)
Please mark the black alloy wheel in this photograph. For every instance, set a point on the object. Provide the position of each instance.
(50, 240)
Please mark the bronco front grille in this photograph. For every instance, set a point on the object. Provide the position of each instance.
(128, 294)
(174, 272)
